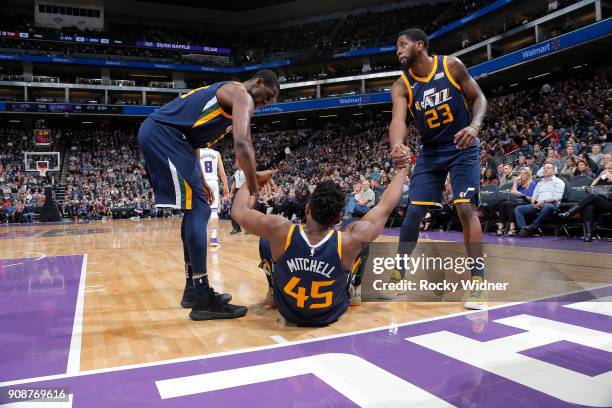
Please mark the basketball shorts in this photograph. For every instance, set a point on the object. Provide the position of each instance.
(214, 186)
(433, 165)
(172, 166)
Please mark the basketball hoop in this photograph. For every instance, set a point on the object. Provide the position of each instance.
(42, 167)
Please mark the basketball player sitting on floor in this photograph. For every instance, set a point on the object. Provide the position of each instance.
(311, 264)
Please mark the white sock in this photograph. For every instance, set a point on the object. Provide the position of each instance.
(213, 232)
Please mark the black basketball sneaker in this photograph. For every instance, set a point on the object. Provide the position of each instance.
(189, 297)
(209, 307)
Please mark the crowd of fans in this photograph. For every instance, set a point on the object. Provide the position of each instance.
(105, 174)
(564, 124)
(533, 142)
(22, 193)
(346, 152)
(530, 137)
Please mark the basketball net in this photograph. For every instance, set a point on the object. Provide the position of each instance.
(42, 169)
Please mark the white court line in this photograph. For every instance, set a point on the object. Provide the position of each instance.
(41, 256)
(273, 346)
(74, 354)
(601, 306)
(279, 339)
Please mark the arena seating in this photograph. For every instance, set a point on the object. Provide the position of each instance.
(105, 171)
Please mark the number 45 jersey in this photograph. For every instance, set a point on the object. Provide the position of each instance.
(437, 104)
(311, 288)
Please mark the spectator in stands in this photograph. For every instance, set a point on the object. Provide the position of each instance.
(361, 201)
(569, 151)
(522, 191)
(377, 188)
(507, 176)
(9, 210)
(553, 157)
(500, 170)
(583, 169)
(28, 211)
(590, 163)
(522, 162)
(375, 175)
(598, 201)
(489, 178)
(486, 160)
(83, 210)
(538, 154)
(555, 141)
(526, 148)
(540, 172)
(500, 154)
(356, 189)
(530, 164)
(596, 156)
(18, 212)
(570, 167)
(544, 202)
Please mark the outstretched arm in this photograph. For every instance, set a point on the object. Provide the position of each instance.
(242, 105)
(466, 136)
(272, 227)
(397, 128)
(369, 227)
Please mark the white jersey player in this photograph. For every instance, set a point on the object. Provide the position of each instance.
(212, 169)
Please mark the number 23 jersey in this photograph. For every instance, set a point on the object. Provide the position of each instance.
(438, 106)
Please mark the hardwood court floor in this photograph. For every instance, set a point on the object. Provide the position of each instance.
(135, 280)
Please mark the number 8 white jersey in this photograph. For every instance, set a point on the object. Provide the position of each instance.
(209, 160)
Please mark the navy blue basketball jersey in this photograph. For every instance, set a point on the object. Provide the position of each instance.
(311, 287)
(198, 115)
(437, 104)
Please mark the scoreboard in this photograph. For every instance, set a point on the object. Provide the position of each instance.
(63, 108)
(42, 137)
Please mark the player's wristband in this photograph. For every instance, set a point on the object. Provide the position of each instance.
(475, 126)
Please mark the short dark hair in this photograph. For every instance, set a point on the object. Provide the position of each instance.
(326, 203)
(269, 78)
(415, 34)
